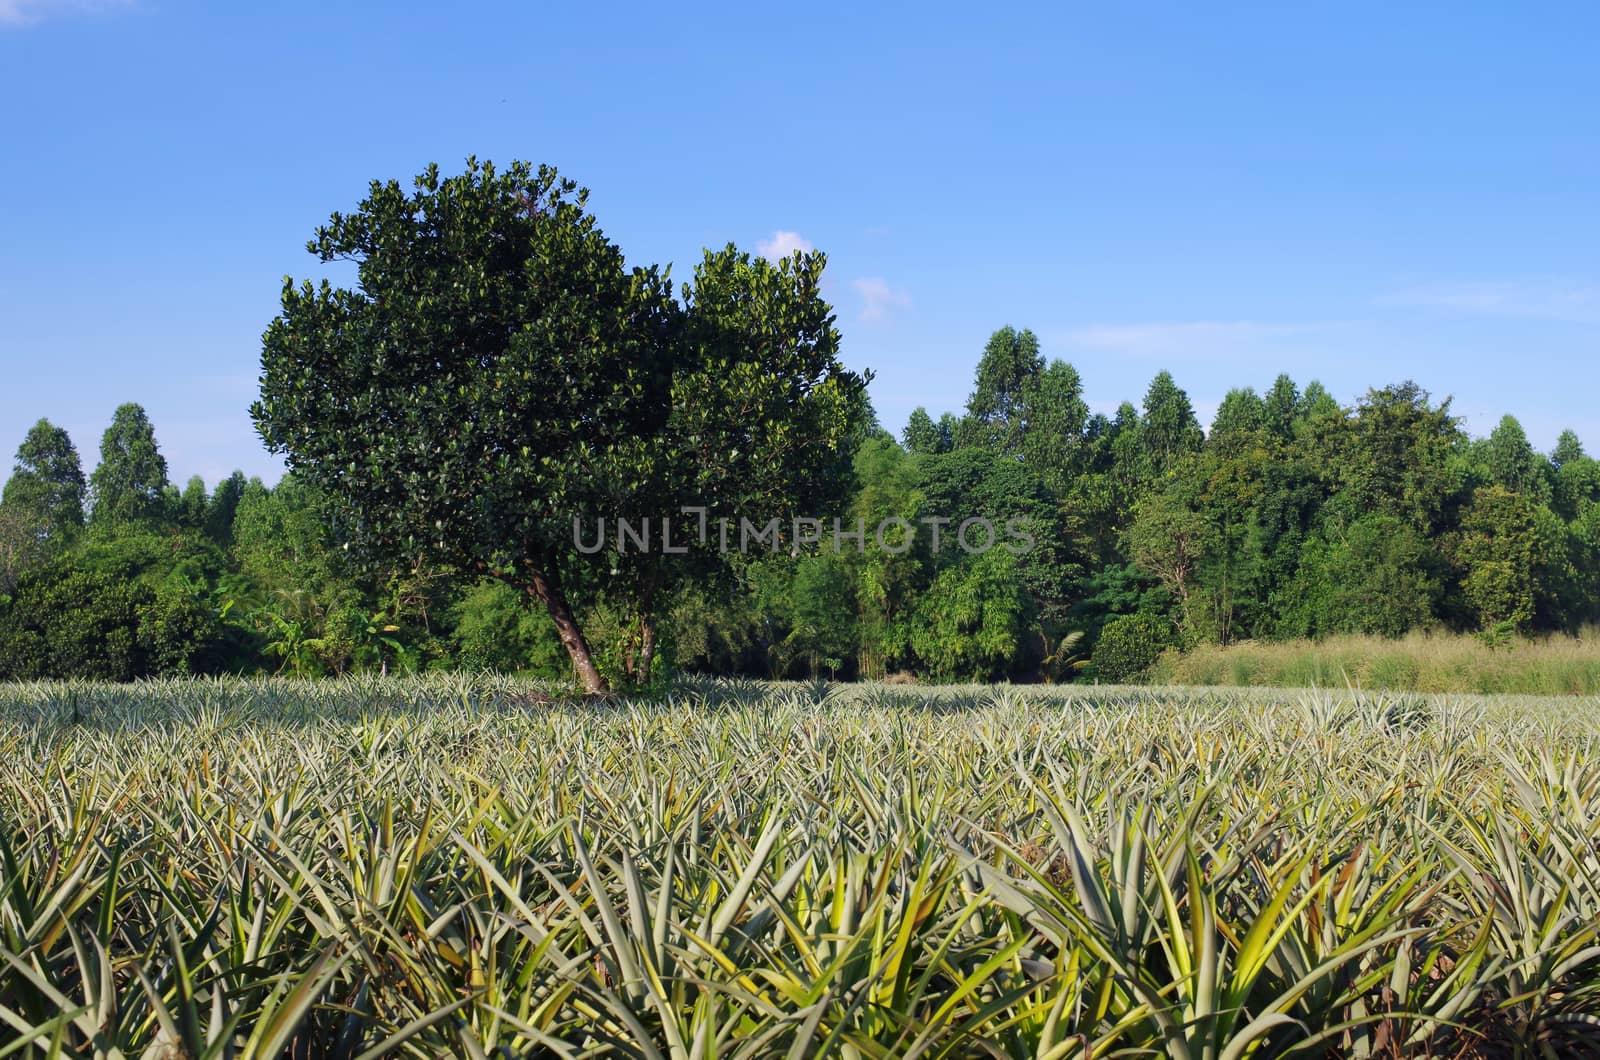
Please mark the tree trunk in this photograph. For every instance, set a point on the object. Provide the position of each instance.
(647, 649)
(547, 589)
(645, 638)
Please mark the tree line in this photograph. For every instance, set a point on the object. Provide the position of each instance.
(500, 372)
(1293, 516)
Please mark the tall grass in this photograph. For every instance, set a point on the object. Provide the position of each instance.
(456, 867)
(1418, 662)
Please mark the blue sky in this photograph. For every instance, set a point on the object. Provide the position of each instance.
(1358, 193)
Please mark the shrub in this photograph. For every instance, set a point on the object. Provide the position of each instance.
(497, 629)
(1128, 645)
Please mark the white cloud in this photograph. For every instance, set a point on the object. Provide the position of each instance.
(879, 301)
(781, 245)
(1198, 337)
(27, 12)
(1535, 299)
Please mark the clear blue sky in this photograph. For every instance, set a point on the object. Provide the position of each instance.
(1354, 192)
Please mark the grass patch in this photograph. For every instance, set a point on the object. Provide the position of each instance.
(1419, 662)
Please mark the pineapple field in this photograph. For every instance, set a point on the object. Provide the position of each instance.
(477, 867)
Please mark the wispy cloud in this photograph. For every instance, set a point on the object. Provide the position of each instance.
(781, 245)
(27, 12)
(879, 301)
(1195, 337)
(1567, 300)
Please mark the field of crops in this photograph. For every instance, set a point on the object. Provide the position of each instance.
(460, 867)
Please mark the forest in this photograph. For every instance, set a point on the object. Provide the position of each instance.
(1293, 516)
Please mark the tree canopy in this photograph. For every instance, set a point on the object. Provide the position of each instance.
(130, 482)
(500, 373)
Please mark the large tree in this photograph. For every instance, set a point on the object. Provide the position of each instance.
(1241, 421)
(1568, 448)
(1394, 457)
(923, 435)
(43, 499)
(1055, 419)
(1010, 364)
(501, 374)
(130, 483)
(764, 424)
(1169, 431)
(1512, 463)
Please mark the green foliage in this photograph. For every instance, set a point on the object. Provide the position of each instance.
(117, 609)
(1496, 553)
(996, 412)
(222, 508)
(1118, 589)
(1568, 448)
(763, 411)
(1170, 533)
(923, 436)
(822, 614)
(1055, 417)
(1377, 576)
(973, 483)
(129, 485)
(765, 422)
(716, 632)
(1241, 420)
(1395, 457)
(1577, 487)
(1097, 503)
(18, 548)
(888, 580)
(285, 538)
(1512, 463)
(974, 620)
(41, 509)
(1294, 518)
(496, 374)
(1127, 646)
(189, 511)
(1168, 431)
(47, 488)
(81, 622)
(501, 372)
(496, 629)
(1062, 658)
(1280, 409)
(180, 630)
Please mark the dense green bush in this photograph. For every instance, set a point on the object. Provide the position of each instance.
(1127, 647)
(497, 630)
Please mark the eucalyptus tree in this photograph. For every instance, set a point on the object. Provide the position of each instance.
(1513, 463)
(923, 435)
(129, 486)
(1168, 431)
(1010, 364)
(1568, 448)
(43, 499)
(1056, 422)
